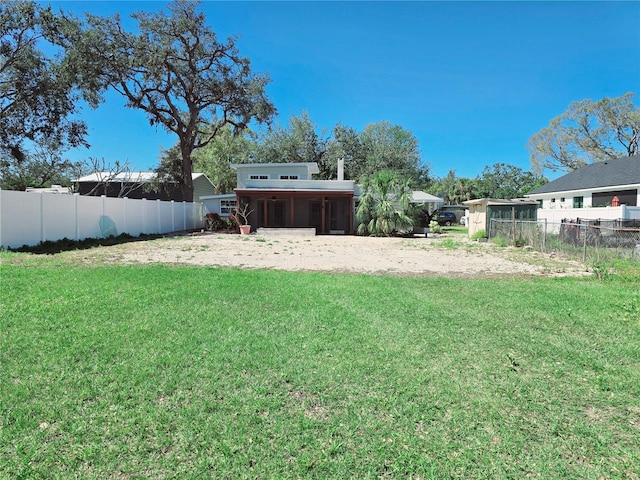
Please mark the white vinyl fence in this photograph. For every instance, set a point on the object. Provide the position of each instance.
(28, 218)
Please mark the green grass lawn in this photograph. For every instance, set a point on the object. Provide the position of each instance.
(183, 372)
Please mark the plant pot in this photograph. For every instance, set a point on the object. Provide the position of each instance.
(245, 229)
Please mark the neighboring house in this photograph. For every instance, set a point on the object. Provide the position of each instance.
(423, 198)
(482, 210)
(601, 190)
(139, 185)
(285, 195)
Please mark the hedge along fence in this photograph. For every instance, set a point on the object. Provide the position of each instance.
(28, 218)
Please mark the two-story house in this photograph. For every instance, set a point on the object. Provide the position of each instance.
(285, 195)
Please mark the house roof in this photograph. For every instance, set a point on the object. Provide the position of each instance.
(220, 196)
(610, 173)
(418, 196)
(311, 166)
(138, 177)
(501, 201)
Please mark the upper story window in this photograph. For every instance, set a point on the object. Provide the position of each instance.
(288, 177)
(578, 202)
(258, 177)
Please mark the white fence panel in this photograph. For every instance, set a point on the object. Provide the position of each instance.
(555, 216)
(28, 218)
(58, 220)
(89, 212)
(180, 217)
(135, 217)
(165, 216)
(194, 218)
(19, 219)
(113, 220)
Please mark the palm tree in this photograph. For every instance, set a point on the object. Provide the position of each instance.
(384, 204)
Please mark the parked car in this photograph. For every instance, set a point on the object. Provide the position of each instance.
(446, 218)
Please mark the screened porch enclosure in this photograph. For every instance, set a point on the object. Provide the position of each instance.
(327, 212)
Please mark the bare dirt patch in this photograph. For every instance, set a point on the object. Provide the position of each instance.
(449, 254)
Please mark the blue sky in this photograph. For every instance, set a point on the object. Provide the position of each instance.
(471, 80)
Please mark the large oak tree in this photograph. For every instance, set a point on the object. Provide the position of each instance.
(39, 94)
(177, 70)
(587, 132)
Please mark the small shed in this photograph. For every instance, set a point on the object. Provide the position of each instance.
(482, 210)
(223, 204)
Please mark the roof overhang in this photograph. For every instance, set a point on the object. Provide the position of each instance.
(312, 167)
(498, 201)
(220, 196)
(418, 196)
(293, 192)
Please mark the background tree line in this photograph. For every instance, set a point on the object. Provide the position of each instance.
(200, 88)
(378, 146)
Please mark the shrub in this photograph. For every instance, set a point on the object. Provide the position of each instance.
(479, 234)
(216, 223)
(384, 205)
(51, 247)
(434, 227)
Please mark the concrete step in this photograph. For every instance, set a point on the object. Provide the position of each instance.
(270, 232)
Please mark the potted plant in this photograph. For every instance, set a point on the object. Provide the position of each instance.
(241, 217)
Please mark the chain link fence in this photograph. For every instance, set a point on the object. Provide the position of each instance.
(587, 240)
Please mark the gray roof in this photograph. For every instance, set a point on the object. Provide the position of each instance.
(500, 201)
(418, 196)
(126, 176)
(610, 173)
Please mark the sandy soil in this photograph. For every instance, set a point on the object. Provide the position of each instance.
(451, 255)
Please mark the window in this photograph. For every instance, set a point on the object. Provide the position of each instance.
(562, 199)
(288, 177)
(553, 200)
(539, 203)
(258, 177)
(227, 207)
(578, 202)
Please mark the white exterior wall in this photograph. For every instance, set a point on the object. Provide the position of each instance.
(556, 215)
(272, 171)
(568, 197)
(212, 203)
(30, 218)
(320, 185)
(477, 218)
